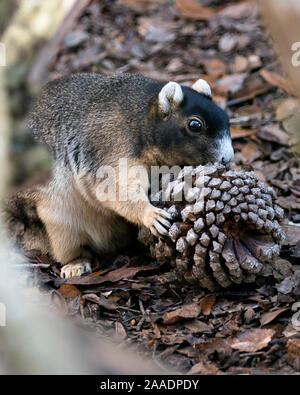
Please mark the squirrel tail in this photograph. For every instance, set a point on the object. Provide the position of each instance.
(22, 222)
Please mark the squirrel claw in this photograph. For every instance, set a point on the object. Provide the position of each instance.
(159, 228)
(76, 269)
(157, 222)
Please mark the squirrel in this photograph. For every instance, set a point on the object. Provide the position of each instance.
(91, 121)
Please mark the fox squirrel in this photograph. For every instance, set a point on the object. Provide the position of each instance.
(90, 121)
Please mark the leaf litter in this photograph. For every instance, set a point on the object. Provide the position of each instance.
(130, 299)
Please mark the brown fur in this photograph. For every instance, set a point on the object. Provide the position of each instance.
(89, 121)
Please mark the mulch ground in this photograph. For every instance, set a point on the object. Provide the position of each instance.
(129, 298)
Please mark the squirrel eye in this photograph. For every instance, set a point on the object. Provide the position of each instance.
(196, 125)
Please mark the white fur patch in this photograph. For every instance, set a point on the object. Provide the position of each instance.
(225, 153)
(76, 268)
(201, 86)
(171, 92)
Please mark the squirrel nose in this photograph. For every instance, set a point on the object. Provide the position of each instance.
(226, 153)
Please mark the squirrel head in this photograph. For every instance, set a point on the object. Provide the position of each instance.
(189, 126)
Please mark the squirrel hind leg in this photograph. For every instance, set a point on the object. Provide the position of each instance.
(76, 268)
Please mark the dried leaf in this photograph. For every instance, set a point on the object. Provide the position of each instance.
(237, 133)
(187, 311)
(214, 67)
(293, 347)
(296, 317)
(98, 273)
(277, 80)
(247, 115)
(120, 331)
(173, 338)
(194, 10)
(135, 2)
(251, 152)
(292, 233)
(252, 340)
(156, 330)
(291, 125)
(286, 285)
(156, 30)
(207, 303)
(188, 351)
(275, 134)
(228, 42)
(287, 108)
(113, 276)
(197, 326)
(232, 83)
(101, 301)
(269, 316)
(240, 64)
(249, 93)
(139, 5)
(209, 346)
(238, 11)
(69, 291)
(205, 367)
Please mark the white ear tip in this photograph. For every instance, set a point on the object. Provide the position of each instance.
(202, 86)
(171, 92)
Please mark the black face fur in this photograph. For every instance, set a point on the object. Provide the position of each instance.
(195, 147)
(89, 120)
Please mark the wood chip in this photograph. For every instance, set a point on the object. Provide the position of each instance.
(187, 311)
(207, 304)
(194, 10)
(237, 133)
(252, 340)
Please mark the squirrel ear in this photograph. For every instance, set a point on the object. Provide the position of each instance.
(170, 94)
(202, 86)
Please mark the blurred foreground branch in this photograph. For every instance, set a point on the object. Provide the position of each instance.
(283, 21)
(25, 26)
(5, 123)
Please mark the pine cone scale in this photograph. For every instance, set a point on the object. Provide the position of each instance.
(224, 230)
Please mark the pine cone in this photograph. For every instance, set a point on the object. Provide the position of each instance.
(225, 229)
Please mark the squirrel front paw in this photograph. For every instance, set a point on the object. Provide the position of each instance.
(76, 268)
(156, 219)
